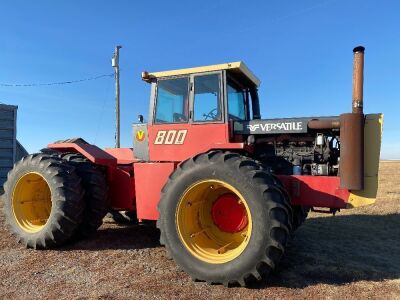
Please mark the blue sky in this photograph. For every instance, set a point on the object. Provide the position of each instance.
(301, 51)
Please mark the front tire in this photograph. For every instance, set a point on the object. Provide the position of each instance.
(223, 219)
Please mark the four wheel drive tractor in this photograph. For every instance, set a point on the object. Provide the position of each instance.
(226, 187)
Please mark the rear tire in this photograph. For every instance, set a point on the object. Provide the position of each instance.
(43, 201)
(96, 198)
(266, 234)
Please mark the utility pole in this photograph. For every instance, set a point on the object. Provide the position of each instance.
(115, 64)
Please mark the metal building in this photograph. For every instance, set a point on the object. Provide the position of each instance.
(10, 149)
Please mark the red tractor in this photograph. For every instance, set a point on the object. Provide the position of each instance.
(226, 187)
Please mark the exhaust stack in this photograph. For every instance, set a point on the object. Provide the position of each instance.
(352, 131)
(358, 80)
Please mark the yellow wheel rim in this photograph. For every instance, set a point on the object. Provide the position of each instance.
(198, 230)
(31, 202)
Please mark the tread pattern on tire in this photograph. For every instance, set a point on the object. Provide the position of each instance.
(279, 211)
(95, 186)
(66, 195)
(299, 213)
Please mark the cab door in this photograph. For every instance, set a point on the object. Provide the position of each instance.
(188, 117)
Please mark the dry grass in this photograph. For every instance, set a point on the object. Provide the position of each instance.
(355, 254)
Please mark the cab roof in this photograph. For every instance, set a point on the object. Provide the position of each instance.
(237, 68)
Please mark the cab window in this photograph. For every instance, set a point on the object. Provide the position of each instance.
(172, 101)
(236, 102)
(207, 106)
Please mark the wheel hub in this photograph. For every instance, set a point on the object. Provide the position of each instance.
(229, 214)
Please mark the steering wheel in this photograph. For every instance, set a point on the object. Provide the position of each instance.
(211, 115)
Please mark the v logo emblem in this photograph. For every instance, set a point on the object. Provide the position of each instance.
(140, 135)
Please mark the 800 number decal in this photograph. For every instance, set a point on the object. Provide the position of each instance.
(170, 137)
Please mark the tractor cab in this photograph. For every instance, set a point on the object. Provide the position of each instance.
(204, 94)
(195, 107)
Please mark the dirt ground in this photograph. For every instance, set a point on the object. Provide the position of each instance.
(355, 254)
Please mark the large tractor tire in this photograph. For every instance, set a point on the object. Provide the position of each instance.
(96, 199)
(299, 213)
(223, 219)
(43, 201)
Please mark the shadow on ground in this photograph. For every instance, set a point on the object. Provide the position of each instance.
(340, 250)
(328, 250)
(119, 237)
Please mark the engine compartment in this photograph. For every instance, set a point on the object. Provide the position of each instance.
(314, 153)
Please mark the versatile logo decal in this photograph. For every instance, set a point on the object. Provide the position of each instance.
(279, 126)
(140, 136)
(170, 137)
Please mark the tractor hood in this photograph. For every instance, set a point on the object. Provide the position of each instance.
(277, 126)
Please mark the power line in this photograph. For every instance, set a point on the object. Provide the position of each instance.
(56, 83)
